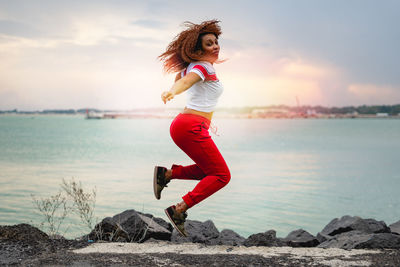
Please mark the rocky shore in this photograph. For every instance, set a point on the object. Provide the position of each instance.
(133, 238)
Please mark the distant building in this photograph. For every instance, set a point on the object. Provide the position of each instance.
(311, 112)
(269, 113)
(382, 114)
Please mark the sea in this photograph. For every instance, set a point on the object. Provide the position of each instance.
(287, 174)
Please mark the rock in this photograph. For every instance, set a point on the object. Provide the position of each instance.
(300, 238)
(160, 221)
(346, 240)
(395, 228)
(131, 226)
(108, 230)
(376, 227)
(227, 237)
(349, 223)
(199, 232)
(359, 240)
(267, 239)
(381, 241)
(21, 232)
(22, 242)
(323, 237)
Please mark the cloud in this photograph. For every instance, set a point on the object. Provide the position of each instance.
(18, 29)
(105, 52)
(372, 94)
(267, 76)
(147, 23)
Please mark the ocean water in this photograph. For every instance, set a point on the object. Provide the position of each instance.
(286, 174)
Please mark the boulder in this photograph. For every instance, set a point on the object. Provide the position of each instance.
(395, 228)
(267, 239)
(199, 232)
(227, 237)
(323, 237)
(108, 230)
(131, 226)
(346, 240)
(160, 221)
(351, 223)
(300, 238)
(376, 227)
(381, 241)
(359, 240)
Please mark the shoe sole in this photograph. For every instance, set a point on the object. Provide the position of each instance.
(155, 183)
(173, 223)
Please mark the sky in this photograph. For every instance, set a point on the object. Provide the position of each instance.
(103, 54)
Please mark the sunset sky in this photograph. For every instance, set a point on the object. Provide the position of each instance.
(103, 54)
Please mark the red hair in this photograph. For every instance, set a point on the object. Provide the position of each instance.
(186, 46)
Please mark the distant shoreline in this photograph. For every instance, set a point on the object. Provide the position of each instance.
(267, 112)
(216, 115)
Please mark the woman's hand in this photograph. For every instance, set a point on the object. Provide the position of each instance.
(167, 96)
(180, 86)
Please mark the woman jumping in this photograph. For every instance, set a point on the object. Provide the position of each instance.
(192, 54)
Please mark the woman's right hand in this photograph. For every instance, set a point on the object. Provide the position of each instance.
(167, 96)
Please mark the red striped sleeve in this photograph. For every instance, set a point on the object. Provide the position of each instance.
(208, 77)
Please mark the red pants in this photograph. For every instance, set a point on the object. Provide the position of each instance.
(190, 133)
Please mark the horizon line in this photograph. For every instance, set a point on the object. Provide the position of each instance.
(174, 108)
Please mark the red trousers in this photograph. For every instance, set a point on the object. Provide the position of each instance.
(190, 133)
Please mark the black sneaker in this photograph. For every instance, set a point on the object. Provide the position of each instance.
(177, 219)
(159, 180)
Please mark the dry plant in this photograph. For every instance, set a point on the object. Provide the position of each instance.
(83, 203)
(54, 209)
(72, 198)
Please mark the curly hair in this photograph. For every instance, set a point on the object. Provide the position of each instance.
(186, 46)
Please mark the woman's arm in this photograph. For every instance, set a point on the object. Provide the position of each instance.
(180, 86)
(178, 77)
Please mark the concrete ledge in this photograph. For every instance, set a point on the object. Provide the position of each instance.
(330, 257)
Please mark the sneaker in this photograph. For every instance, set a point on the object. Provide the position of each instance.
(159, 180)
(177, 219)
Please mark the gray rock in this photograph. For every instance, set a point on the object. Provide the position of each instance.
(300, 238)
(360, 240)
(267, 239)
(227, 237)
(199, 232)
(395, 228)
(323, 237)
(160, 221)
(376, 227)
(108, 230)
(381, 241)
(349, 223)
(346, 240)
(130, 226)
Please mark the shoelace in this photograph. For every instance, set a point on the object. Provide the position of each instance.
(180, 218)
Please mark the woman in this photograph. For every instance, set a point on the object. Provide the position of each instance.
(192, 54)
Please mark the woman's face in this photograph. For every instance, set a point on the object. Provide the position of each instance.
(210, 46)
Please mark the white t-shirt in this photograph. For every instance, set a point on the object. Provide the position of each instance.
(203, 95)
